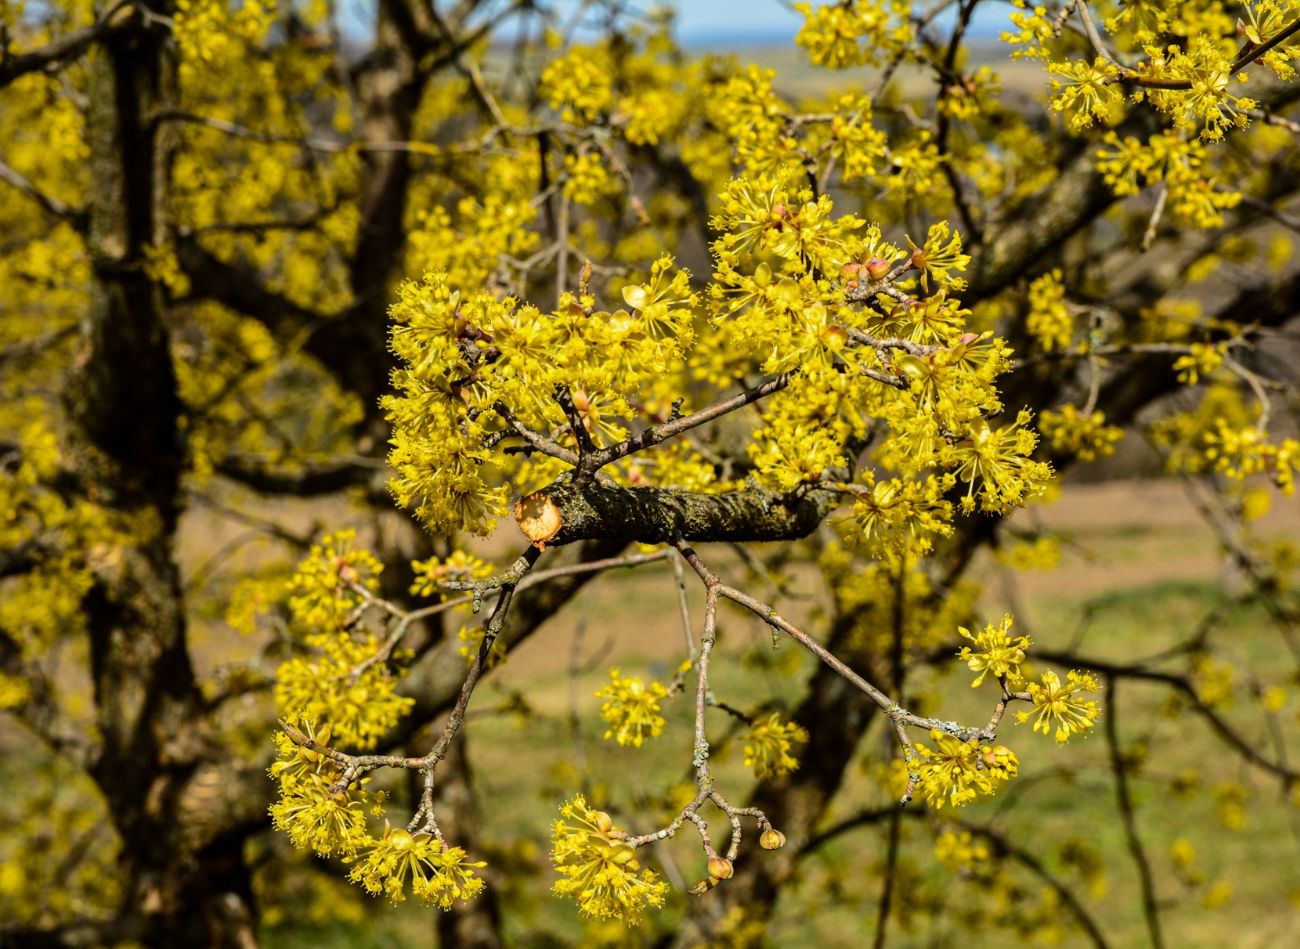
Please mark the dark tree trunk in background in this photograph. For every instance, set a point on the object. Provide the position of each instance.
(180, 887)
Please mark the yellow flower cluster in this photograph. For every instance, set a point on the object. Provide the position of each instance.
(1086, 437)
(959, 852)
(856, 33)
(939, 257)
(768, 745)
(361, 705)
(440, 875)
(326, 587)
(1241, 451)
(999, 460)
(331, 822)
(209, 31)
(1060, 706)
(1214, 680)
(895, 513)
(1202, 360)
(631, 709)
(44, 603)
(580, 83)
(459, 565)
(314, 817)
(598, 870)
(1049, 318)
(1090, 94)
(1196, 196)
(339, 681)
(995, 651)
(478, 368)
(957, 772)
(586, 179)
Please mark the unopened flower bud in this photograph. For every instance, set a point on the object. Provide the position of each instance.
(604, 823)
(771, 839)
(835, 337)
(720, 868)
(877, 268)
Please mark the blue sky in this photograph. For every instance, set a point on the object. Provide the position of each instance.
(747, 21)
(718, 23)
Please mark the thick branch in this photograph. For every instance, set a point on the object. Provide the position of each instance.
(55, 54)
(566, 512)
(307, 482)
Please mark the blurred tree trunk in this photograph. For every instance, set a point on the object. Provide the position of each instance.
(180, 889)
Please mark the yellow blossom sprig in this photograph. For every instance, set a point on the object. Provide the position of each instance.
(957, 772)
(768, 745)
(432, 575)
(995, 651)
(598, 869)
(856, 33)
(1060, 706)
(439, 875)
(597, 862)
(314, 814)
(1086, 437)
(964, 763)
(323, 591)
(631, 709)
(959, 852)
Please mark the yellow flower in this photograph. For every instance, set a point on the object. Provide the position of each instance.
(959, 852)
(440, 875)
(1087, 437)
(1049, 319)
(1202, 360)
(767, 750)
(1090, 95)
(598, 869)
(631, 709)
(325, 585)
(1059, 706)
(994, 651)
(434, 571)
(940, 253)
(957, 771)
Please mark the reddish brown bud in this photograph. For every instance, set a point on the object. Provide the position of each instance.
(877, 268)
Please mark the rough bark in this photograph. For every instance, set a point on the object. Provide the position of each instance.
(597, 510)
(183, 885)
